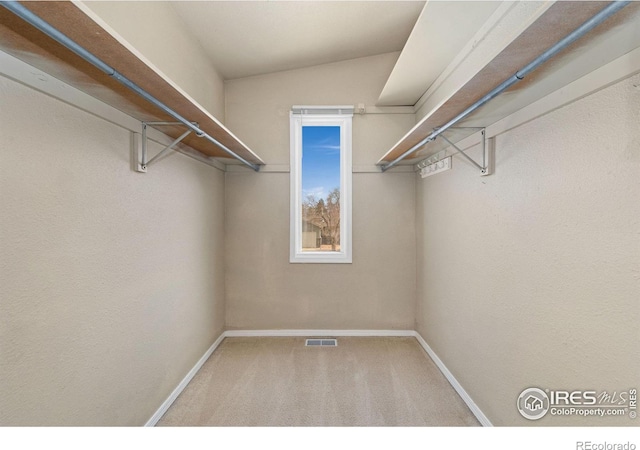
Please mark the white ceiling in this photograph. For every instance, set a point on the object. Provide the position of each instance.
(245, 38)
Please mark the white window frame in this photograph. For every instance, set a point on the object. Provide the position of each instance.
(320, 116)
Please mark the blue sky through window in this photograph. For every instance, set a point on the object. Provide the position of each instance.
(320, 160)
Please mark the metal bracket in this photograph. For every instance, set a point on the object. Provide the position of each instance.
(144, 162)
(485, 167)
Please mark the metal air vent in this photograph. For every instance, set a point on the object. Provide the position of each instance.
(321, 343)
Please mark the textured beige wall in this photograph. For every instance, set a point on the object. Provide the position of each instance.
(111, 282)
(157, 32)
(531, 276)
(265, 291)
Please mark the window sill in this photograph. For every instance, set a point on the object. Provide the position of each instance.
(320, 258)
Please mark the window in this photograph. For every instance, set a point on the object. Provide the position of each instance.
(321, 184)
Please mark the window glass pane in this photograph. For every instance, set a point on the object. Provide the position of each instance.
(321, 188)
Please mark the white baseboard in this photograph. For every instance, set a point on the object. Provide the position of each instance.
(318, 333)
(452, 380)
(183, 384)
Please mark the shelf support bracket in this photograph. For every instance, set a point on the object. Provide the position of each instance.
(143, 158)
(486, 155)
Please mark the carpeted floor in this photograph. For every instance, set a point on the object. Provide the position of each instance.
(365, 381)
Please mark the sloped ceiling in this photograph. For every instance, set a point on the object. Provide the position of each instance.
(246, 38)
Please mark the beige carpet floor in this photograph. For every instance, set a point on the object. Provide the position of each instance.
(277, 381)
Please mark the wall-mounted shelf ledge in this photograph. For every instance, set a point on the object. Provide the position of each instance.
(569, 40)
(61, 39)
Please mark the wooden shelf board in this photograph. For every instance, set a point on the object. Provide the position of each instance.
(558, 21)
(28, 44)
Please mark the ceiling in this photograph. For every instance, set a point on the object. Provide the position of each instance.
(247, 38)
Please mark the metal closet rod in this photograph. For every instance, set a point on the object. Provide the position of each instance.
(29, 17)
(583, 29)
